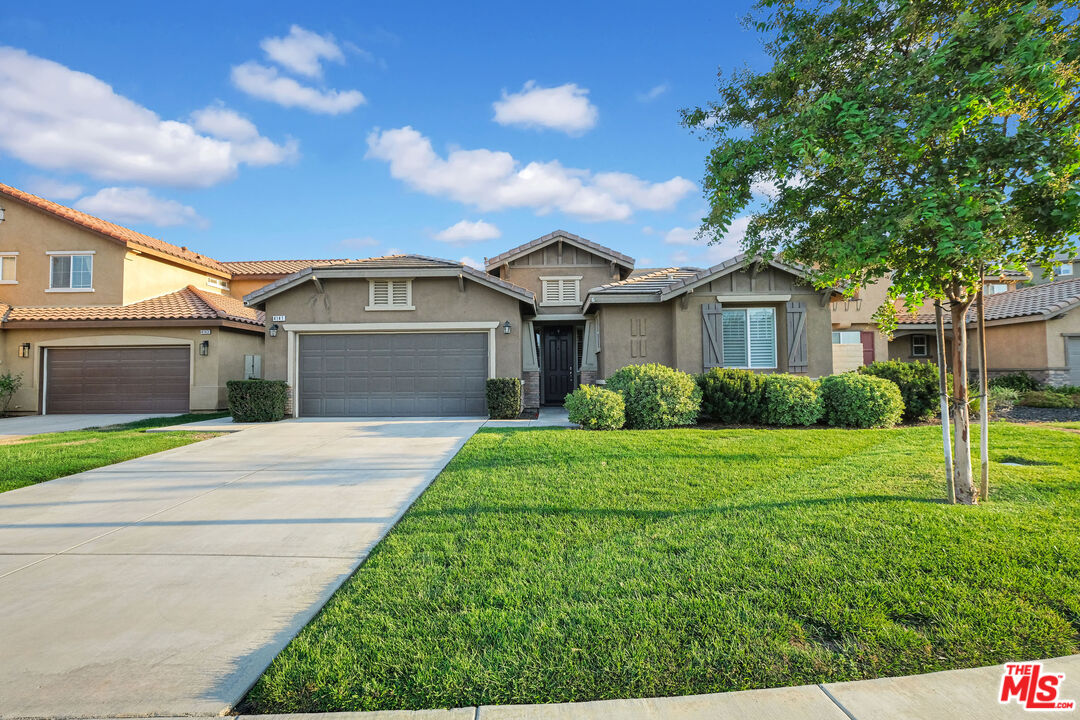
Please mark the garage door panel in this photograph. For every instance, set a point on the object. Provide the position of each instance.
(117, 380)
(421, 374)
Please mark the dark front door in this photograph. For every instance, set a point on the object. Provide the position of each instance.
(558, 364)
(867, 339)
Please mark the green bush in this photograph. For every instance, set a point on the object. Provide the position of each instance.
(918, 383)
(1064, 389)
(1045, 399)
(1017, 381)
(1001, 399)
(504, 398)
(656, 396)
(257, 400)
(731, 395)
(791, 400)
(863, 401)
(9, 385)
(595, 408)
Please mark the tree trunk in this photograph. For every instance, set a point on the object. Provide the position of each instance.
(984, 400)
(943, 394)
(965, 488)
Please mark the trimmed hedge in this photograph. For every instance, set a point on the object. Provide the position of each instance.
(595, 408)
(791, 400)
(861, 401)
(257, 400)
(504, 398)
(1015, 381)
(656, 396)
(732, 396)
(918, 383)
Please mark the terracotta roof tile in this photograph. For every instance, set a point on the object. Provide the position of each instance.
(1046, 299)
(186, 304)
(275, 267)
(116, 232)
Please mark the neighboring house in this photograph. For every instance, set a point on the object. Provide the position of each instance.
(1034, 329)
(408, 334)
(1064, 268)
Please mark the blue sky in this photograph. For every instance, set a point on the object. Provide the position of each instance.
(283, 130)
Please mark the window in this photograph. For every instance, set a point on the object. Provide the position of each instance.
(71, 272)
(846, 337)
(995, 288)
(390, 294)
(750, 338)
(561, 290)
(7, 268)
(918, 346)
(218, 283)
(1064, 269)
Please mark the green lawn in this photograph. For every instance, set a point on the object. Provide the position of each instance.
(43, 457)
(562, 565)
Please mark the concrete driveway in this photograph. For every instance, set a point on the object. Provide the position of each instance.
(14, 427)
(165, 585)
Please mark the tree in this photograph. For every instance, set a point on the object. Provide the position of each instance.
(921, 139)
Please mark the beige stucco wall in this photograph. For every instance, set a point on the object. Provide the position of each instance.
(620, 341)
(241, 286)
(860, 309)
(1056, 331)
(847, 357)
(437, 299)
(526, 272)
(146, 276)
(225, 360)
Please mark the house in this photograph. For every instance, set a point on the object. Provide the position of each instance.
(414, 335)
(1033, 328)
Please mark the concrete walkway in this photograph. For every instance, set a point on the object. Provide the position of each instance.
(24, 425)
(548, 417)
(165, 585)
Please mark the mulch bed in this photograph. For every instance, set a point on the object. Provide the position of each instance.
(1021, 413)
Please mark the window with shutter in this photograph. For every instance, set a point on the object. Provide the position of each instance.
(749, 338)
(390, 294)
(561, 290)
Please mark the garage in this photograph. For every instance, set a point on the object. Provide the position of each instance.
(393, 374)
(117, 380)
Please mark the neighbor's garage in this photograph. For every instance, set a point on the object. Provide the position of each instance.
(393, 374)
(117, 380)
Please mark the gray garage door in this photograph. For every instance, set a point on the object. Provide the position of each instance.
(382, 375)
(1072, 359)
(117, 380)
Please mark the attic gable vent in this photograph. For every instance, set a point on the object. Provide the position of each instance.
(389, 294)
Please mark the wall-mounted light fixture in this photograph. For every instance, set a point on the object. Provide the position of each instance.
(273, 330)
(24, 350)
(204, 348)
(506, 327)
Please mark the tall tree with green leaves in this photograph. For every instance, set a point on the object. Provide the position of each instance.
(920, 139)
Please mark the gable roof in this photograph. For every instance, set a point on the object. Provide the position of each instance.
(605, 252)
(189, 303)
(274, 267)
(1038, 302)
(389, 266)
(113, 231)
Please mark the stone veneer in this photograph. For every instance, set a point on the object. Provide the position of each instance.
(530, 389)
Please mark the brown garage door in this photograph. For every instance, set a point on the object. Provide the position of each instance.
(117, 380)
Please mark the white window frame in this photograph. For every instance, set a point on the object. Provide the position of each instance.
(13, 258)
(372, 306)
(71, 254)
(1063, 269)
(925, 339)
(749, 358)
(574, 281)
(216, 282)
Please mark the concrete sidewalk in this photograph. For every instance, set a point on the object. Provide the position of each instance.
(15, 427)
(548, 417)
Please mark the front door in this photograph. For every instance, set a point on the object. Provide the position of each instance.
(867, 340)
(558, 364)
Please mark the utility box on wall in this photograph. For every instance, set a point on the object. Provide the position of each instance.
(252, 367)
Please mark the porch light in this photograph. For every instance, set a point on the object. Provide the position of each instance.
(24, 349)
(204, 348)
(506, 327)
(273, 330)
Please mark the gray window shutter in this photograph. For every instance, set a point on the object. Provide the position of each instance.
(796, 338)
(712, 337)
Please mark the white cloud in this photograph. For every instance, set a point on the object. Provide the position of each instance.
(728, 247)
(680, 257)
(358, 242)
(302, 51)
(681, 236)
(54, 189)
(137, 205)
(465, 232)
(253, 149)
(265, 83)
(57, 118)
(565, 108)
(653, 93)
(494, 180)
(471, 262)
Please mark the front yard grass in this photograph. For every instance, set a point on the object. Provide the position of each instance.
(36, 458)
(561, 565)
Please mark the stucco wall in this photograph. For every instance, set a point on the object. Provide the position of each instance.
(621, 339)
(225, 360)
(436, 300)
(861, 308)
(239, 287)
(146, 276)
(1056, 331)
(526, 272)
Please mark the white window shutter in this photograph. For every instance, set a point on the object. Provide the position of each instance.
(400, 293)
(380, 293)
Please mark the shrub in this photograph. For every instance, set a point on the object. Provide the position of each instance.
(918, 383)
(863, 401)
(1064, 389)
(730, 395)
(1017, 381)
(595, 408)
(9, 385)
(1001, 399)
(656, 396)
(791, 400)
(257, 400)
(504, 398)
(1044, 399)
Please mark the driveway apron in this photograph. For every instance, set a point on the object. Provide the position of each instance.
(165, 585)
